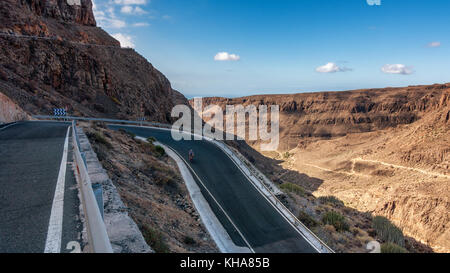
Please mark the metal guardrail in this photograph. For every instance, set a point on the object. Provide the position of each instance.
(95, 226)
(103, 120)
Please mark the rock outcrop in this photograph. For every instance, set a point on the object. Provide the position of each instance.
(9, 111)
(52, 55)
(78, 11)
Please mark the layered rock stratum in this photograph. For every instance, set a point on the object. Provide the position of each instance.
(336, 114)
(52, 55)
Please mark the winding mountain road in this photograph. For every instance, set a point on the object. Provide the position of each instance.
(255, 222)
(39, 206)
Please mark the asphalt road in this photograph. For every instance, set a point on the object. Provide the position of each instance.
(258, 221)
(30, 160)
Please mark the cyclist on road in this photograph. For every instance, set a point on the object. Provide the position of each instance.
(191, 155)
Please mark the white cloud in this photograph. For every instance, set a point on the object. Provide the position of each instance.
(331, 68)
(397, 69)
(130, 2)
(166, 17)
(126, 9)
(97, 12)
(131, 10)
(125, 40)
(141, 24)
(107, 17)
(434, 44)
(138, 10)
(116, 23)
(225, 56)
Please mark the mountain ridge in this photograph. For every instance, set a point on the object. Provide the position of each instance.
(54, 56)
(337, 113)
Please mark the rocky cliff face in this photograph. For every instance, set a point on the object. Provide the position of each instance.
(9, 111)
(78, 11)
(52, 55)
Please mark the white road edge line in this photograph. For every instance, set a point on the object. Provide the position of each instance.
(15, 123)
(54, 234)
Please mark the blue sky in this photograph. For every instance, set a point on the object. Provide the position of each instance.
(243, 47)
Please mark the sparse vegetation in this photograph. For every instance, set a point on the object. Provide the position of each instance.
(98, 124)
(3, 75)
(132, 135)
(99, 138)
(160, 150)
(189, 240)
(291, 187)
(387, 231)
(307, 220)
(151, 139)
(155, 239)
(337, 220)
(161, 175)
(392, 248)
(149, 148)
(116, 101)
(286, 155)
(168, 182)
(332, 200)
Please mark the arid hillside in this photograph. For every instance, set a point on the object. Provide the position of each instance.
(382, 151)
(52, 55)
